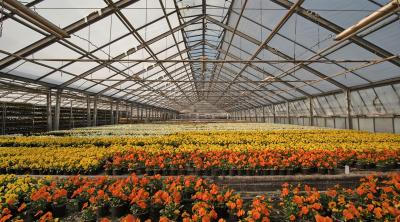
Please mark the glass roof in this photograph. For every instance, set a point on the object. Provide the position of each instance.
(174, 53)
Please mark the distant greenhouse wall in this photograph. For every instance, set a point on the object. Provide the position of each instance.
(374, 109)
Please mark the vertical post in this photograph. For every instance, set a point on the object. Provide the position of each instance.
(71, 116)
(311, 112)
(288, 111)
(95, 111)
(3, 119)
(33, 118)
(273, 113)
(141, 113)
(255, 114)
(348, 102)
(48, 111)
(137, 113)
(131, 114)
(88, 121)
(112, 114)
(263, 114)
(117, 113)
(57, 111)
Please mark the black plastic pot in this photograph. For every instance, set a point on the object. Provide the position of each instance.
(282, 171)
(181, 171)
(154, 213)
(224, 172)
(140, 171)
(322, 170)
(59, 210)
(173, 171)
(189, 170)
(149, 172)
(232, 172)
(306, 170)
(156, 171)
(28, 216)
(102, 211)
(222, 212)
(215, 172)
(240, 172)
(119, 211)
(108, 171)
(332, 171)
(117, 171)
(289, 171)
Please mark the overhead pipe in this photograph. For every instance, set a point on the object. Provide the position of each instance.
(26, 13)
(385, 10)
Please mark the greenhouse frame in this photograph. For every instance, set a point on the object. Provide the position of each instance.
(308, 62)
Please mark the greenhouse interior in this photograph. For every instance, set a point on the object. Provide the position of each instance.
(200, 110)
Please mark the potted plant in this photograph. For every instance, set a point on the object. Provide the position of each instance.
(88, 213)
(100, 201)
(59, 202)
(108, 168)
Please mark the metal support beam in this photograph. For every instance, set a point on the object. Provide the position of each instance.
(311, 108)
(348, 106)
(88, 119)
(288, 111)
(263, 113)
(48, 111)
(72, 28)
(111, 113)
(274, 113)
(95, 111)
(131, 114)
(117, 113)
(57, 111)
(320, 21)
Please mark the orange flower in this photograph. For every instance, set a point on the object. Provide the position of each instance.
(304, 210)
(5, 218)
(348, 215)
(297, 199)
(22, 207)
(163, 219)
(378, 212)
(285, 192)
(255, 215)
(319, 218)
(240, 213)
(105, 220)
(292, 217)
(129, 218)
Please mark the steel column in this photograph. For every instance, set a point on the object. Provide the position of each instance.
(57, 111)
(88, 119)
(348, 102)
(95, 111)
(48, 111)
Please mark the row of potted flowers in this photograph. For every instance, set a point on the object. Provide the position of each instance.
(155, 198)
(285, 137)
(375, 199)
(192, 199)
(218, 160)
(55, 160)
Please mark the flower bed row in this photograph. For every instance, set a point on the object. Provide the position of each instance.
(191, 199)
(248, 160)
(283, 137)
(155, 198)
(55, 160)
(201, 153)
